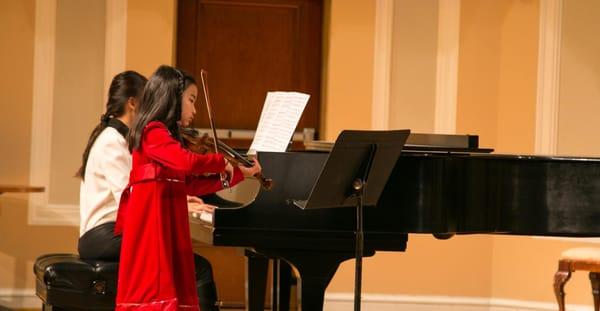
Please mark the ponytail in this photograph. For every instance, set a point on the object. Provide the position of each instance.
(126, 85)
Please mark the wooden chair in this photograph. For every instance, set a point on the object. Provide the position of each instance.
(571, 260)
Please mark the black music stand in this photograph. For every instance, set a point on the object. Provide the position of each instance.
(358, 159)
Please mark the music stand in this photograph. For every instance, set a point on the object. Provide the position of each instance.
(358, 159)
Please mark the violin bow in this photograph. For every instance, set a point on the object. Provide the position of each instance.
(204, 79)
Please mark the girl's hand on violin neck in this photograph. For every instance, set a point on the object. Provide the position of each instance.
(251, 171)
(229, 171)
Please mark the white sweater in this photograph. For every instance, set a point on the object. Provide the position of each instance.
(106, 175)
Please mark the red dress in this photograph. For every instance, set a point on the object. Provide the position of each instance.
(156, 268)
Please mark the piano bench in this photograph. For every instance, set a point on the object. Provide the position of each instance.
(66, 282)
(581, 258)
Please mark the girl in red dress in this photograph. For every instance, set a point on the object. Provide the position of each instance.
(156, 270)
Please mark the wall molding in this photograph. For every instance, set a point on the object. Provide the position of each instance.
(19, 299)
(383, 302)
(548, 77)
(569, 239)
(447, 66)
(382, 64)
(115, 42)
(40, 210)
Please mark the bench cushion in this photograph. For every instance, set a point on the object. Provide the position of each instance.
(589, 254)
(66, 281)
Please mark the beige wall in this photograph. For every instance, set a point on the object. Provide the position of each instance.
(496, 99)
(150, 34)
(348, 63)
(497, 72)
(16, 28)
(579, 90)
(518, 75)
(20, 243)
(413, 68)
(497, 89)
(479, 70)
(428, 267)
(418, 271)
(79, 65)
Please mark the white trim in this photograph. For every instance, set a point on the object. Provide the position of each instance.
(548, 77)
(39, 210)
(54, 214)
(385, 302)
(26, 299)
(382, 62)
(115, 41)
(447, 66)
(19, 299)
(569, 239)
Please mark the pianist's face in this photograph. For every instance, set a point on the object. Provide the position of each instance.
(188, 110)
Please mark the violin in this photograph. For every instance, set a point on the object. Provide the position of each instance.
(203, 144)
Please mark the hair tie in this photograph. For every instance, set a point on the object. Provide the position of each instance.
(105, 117)
(180, 81)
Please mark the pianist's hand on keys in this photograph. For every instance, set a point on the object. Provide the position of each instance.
(200, 210)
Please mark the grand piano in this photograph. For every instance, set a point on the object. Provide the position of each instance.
(446, 188)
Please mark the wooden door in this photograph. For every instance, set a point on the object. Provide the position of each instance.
(250, 47)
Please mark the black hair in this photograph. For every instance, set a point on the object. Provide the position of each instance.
(161, 101)
(125, 85)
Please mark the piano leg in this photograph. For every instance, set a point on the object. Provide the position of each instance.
(282, 284)
(257, 267)
(316, 271)
(257, 271)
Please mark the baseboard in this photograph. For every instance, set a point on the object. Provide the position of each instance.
(381, 302)
(26, 299)
(19, 299)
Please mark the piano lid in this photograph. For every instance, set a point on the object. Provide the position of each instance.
(422, 142)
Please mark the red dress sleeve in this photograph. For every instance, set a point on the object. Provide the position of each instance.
(161, 147)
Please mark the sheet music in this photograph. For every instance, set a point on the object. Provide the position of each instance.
(278, 120)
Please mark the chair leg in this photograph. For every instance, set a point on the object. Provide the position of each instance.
(560, 278)
(595, 280)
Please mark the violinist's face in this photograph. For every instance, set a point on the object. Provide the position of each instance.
(188, 109)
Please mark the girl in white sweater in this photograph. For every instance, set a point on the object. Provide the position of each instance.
(105, 167)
